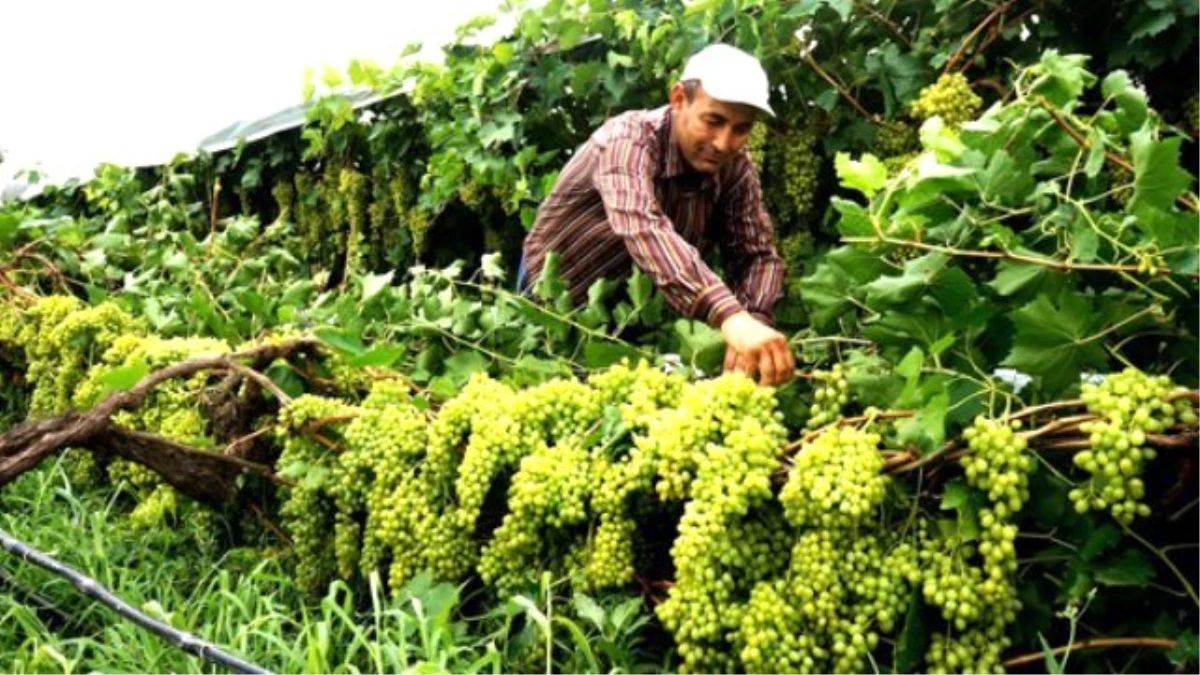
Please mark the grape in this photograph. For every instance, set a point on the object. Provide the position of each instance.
(831, 392)
(835, 480)
(1191, 112)
(950, 98)
(894, 139)
(790, 171)
(1129, 405)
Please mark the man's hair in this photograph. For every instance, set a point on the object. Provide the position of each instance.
(689, 89)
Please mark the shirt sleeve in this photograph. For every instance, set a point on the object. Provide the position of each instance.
(624, 179)
(755, 266)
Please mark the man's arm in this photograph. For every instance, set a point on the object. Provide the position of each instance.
(624, 179)
(755, 266)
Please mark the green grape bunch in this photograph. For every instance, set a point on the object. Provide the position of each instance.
(835, 480)
(950, 98)
(1129, 406)
(831, 393)
(998, 464)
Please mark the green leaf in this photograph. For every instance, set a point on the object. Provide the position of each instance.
(122, 378)
(1131, 568)
(950, 287)
(287, 379)
(587, 608)
(1148, 23)
(380, 356)
(700, 345)
(1130, 99)
(1005, 180)
(854, 221)
(1053, 667)
(569, 33)
(867, 175)
(1099, 539)
(914, 637)
(926, 429)
(842, 7)
(373, 283)
(344, 341)
(598, 355)
(530, 370)
(640, 286)
(1061, 78)
(967, 502)
(462, 365)
(9, 223)
(1084, 242)
(1157, 177)
(826, 293)
(492, 266)
(616, 60)
(1187, 651)
(503, 52)
(1050, 340)
(1012, 277)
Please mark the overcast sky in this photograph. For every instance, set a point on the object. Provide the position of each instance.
(134, 82)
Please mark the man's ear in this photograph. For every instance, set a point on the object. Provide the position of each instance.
(677, 97)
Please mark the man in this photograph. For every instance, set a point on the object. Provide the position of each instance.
(656, 188)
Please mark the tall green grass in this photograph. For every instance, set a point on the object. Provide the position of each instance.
(246, 602)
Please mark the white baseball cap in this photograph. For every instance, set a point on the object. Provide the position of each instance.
(731, 75)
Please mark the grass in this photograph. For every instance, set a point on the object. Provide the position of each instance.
(246, 602)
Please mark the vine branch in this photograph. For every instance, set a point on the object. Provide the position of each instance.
(1093, 643)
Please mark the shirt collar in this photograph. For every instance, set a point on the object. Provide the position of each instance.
(673, 164)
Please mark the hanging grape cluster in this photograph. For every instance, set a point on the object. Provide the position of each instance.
(950, 98)
(1129, 405)
(831, 393)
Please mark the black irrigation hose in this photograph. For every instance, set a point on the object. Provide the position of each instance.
(92, 588)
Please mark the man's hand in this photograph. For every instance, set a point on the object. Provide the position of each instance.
(754, 347)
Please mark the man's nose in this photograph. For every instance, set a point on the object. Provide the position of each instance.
(722, 139)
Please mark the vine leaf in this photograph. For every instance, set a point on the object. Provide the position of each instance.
(867, 175)
(1131, 568)
(462, 365)
(967, 502)
(1131, 100)
(1099, 540)
(700, 345)
(949, 286)
(1006, 180)
(914, 637)
(927, 428)
(1052, 342)
(1187, 651)
(825, 292)
(1157, 177)
(1011, 277)
(1062, 77)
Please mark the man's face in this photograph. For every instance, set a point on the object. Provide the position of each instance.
(709, 132)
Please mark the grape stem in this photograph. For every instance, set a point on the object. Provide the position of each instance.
(1158, 553)
(846, 421)
(885, 22)
(1045, 407)
(1095, 643)
(962, 48)
(873, 119)
(1185, 200)
(1061, 265)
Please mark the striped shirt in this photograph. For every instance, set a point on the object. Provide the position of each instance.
(628, 197)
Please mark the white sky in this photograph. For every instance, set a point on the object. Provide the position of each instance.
(133, 82)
